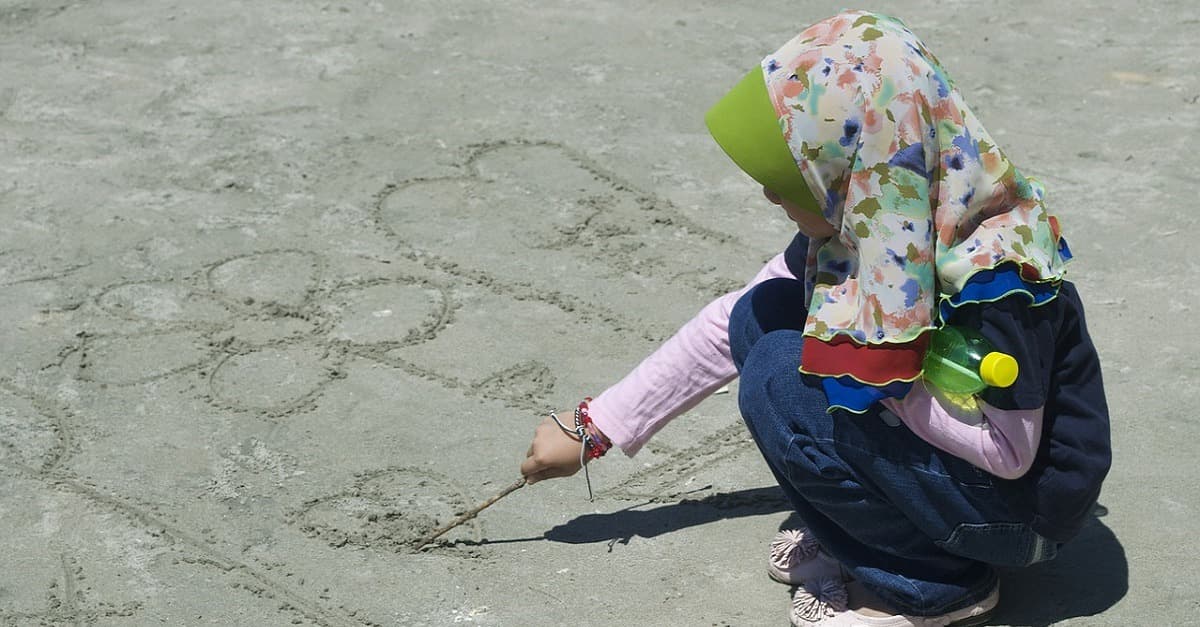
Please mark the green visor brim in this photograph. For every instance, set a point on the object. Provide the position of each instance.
(745, 125)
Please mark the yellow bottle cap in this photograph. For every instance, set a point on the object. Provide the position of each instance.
(745, 125)
(998, 370)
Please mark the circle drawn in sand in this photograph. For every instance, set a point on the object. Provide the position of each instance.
(127, 360)
(274, 380)
(391, 313)
(279, 278)
(161, 302)
(390, 509)
(446, 214)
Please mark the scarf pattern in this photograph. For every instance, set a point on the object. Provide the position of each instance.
(922, 197)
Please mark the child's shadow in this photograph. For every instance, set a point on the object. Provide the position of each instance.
(1089, 575)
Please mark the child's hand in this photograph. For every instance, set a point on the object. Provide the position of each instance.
(553, 453)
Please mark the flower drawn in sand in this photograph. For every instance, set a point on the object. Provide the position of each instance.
(267, 331)
(237, 306)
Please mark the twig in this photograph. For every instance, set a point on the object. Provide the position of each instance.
(473, 512)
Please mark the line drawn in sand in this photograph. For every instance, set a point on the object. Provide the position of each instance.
(41, 457)
(34, 434)
(208, 554)
(67, 603)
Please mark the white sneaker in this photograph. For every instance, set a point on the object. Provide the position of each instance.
(824, 603)
(796, 557)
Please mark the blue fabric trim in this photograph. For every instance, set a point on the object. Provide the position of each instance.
(991, 285)
(854, 396)
(1064, 251)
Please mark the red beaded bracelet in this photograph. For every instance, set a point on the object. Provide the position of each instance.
(597, 443)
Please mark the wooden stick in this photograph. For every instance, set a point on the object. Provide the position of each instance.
(473, 512)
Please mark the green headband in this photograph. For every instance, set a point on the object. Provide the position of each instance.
(745, 125)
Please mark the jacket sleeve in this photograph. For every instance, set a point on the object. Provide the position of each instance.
(1060, 370)
(1076, 451)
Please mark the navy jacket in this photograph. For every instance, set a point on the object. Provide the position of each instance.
(1060, 371)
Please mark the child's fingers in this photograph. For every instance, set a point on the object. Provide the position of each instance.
(550, 473)
(535, 469)
(530, 467)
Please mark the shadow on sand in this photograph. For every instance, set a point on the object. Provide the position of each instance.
(1089, 575)
(622, 525)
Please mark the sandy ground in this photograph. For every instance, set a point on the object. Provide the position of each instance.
(285, 284)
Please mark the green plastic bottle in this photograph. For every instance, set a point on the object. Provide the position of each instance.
(961, 361)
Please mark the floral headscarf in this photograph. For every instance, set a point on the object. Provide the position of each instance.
(928, 208)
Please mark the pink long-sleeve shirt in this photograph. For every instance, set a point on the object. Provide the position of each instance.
(696, 361)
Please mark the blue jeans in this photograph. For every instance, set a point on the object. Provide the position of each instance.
(919, 527)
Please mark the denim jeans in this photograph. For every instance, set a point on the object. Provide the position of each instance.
(919, 527)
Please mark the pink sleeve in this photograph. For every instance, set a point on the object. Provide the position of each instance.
(1004, 444)
(692, 364)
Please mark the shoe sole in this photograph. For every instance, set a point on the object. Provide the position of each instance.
(974, 621)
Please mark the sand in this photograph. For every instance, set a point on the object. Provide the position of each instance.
(285, 285)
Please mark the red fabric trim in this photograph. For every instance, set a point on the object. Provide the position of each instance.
(1029, 272)
(1055, 227)
(873, 364)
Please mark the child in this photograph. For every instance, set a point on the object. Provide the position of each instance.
(909, 218)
